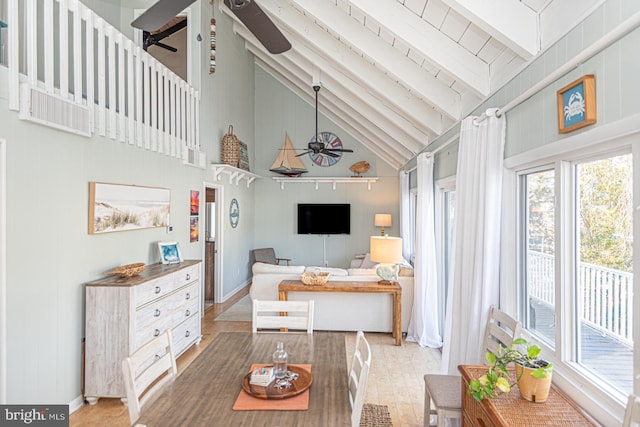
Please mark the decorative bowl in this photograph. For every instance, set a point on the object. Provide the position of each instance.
(311, 278)
(128, 270)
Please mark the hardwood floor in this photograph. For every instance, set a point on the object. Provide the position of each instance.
(395, 379)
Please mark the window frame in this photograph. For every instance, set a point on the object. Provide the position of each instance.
(604, 402)
(443, 188)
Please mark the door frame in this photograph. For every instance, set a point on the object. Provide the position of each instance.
(218, 255)
(3, 271)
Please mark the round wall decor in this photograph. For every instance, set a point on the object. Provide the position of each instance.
(327, 156)
(234, 213)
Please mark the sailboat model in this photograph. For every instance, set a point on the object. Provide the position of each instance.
(287, 163)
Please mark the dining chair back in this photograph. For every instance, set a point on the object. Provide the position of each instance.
(632, 413)
(276, 316)
(147, 371)
(358, 374)
(443, 391)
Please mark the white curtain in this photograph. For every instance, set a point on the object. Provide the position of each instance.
(423, 326)
(476, 248)
(405, 228)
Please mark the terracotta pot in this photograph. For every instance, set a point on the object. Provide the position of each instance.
(532, 388)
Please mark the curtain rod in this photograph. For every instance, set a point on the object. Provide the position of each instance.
(603, 42)
(437, 150)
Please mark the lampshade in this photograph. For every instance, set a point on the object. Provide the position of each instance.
(382, 220)
(387, 250)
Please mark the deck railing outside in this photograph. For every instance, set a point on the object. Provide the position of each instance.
(63, 50)
(606, 294)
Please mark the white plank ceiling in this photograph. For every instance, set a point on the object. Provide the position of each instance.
(395, 74)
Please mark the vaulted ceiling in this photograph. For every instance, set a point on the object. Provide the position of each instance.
(398, 73)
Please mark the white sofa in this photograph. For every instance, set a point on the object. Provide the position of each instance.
(338, 311)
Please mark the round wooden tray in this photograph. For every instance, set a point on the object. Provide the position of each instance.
(298, 386)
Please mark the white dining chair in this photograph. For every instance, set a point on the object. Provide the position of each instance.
(632, 413)
(274, 316)
(147, 371)
(358, 374)
(444, 390)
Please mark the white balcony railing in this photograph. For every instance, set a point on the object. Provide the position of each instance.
(70, 69)
(606, 295)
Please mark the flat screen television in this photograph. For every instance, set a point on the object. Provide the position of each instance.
(316, 218)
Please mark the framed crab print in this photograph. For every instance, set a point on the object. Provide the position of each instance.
(577, 104)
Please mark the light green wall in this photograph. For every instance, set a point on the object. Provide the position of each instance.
(278, 111)
(50, 254)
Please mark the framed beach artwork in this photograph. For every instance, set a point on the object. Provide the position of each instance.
(577, 104)
(119, 207)
(169, 252)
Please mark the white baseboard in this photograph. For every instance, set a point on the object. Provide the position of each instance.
(76, 404)
(236, 290)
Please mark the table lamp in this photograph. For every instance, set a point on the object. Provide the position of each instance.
(382, 220)
(388, 252)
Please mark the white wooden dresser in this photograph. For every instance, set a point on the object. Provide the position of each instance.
(124, 313)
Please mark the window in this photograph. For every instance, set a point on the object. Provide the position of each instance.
(538, 269)
(604, 278)
(575, 273)
(445, 215)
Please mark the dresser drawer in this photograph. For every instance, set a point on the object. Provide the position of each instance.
(153, 289)
(156, 311)
(186, 333)
(185, 295)
(145, 334)
(186, 311)
(186, 275)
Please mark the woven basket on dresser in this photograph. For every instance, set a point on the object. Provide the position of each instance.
(230, 149)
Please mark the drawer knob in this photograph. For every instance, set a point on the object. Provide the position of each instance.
(188, 276)
(187, 313)
(157, 312)
(156, 333)
(188, 296)
(158, 289)
(186, 334)
(157, 357)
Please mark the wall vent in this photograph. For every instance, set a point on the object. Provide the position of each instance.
(52, 110)
(193, 157)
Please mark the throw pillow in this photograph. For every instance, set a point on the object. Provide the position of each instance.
(367, 263)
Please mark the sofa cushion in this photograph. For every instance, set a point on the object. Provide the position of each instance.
(263, 268)
(362, 272)
(332, 271)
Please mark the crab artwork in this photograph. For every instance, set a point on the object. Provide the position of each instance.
(575, 106)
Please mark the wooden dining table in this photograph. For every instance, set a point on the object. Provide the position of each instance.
(205, 392)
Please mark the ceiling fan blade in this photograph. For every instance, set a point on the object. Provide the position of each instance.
(166, 46)
(172, 29)
(159, 14)
(329, 153)
(260, 25)
(305, 153)
(342, 150)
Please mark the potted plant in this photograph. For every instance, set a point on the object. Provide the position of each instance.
(533, 374)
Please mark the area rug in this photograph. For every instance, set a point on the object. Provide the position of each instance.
(238, 312)
(375, 416)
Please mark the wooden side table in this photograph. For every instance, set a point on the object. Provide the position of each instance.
(511, 410)
(394, 289)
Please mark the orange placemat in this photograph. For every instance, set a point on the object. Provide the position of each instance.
(246, 402)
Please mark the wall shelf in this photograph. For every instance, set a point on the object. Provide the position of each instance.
(332, 181)
(235, 174)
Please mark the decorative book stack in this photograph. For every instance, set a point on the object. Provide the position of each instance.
(262, 376)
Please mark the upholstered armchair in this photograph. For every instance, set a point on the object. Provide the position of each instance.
(268, 256)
